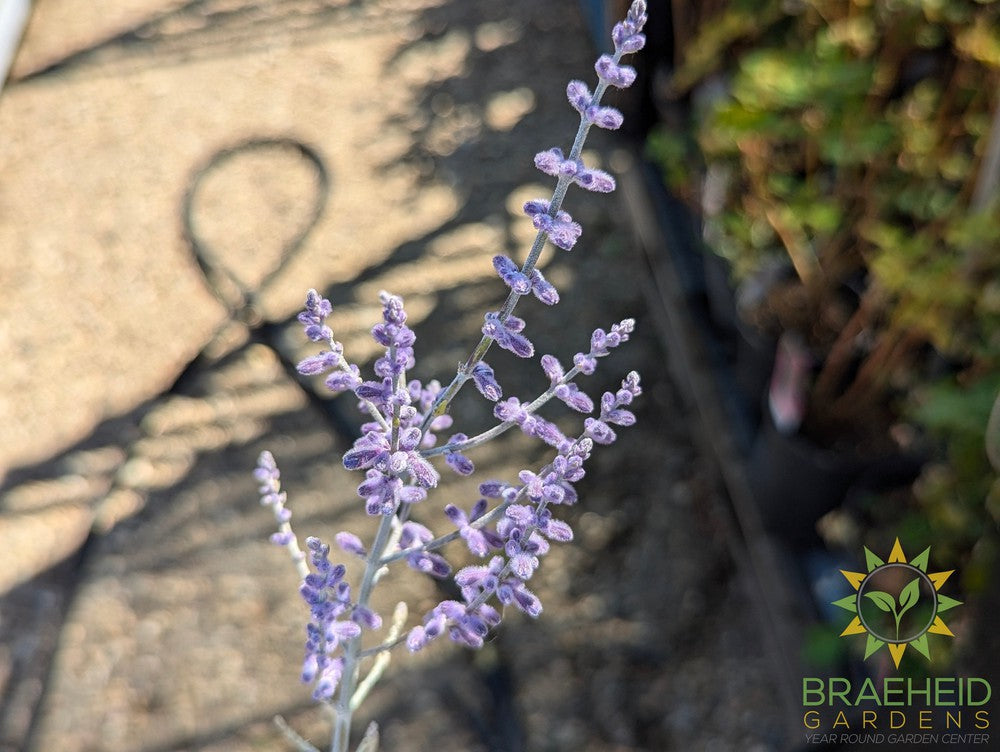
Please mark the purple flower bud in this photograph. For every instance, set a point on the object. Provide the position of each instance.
(631, 382)
(636, 16)
(397, 463)
(595, 180)
(579, 95)
(511, 275)
(564, 232)
(544, 430)
(361, 457)
(423, 472)
(572, 396)
(522, 514)
(457, 461)
(416, 639)
(392, 308)
(351, 544)
(282, 538)
(619, 417)
(536, 206)
(554, 493)
(514, 324)
(553, 368)
(412, 533)
(367, 618)
(599, 431)
(543, 289)
(586, 363)
(620, 76)
(509, 410)
(309, 668)
(632, 44)
(409, 438)
(337, 631)
(461, 634)
(605, 117)
(533, 484)
(492, 489)
(526, 601)
(558, 530)
(321, 362)
(550, 161)
(485, 381)
(318, 333)
(429, 563)
(329, 679)
(506, 338)
(342, 381)
(412, 494)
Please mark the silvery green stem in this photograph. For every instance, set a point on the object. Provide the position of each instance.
(444, 399)
(444, 540)
(342, 723)
(344, 707)
(492, 433)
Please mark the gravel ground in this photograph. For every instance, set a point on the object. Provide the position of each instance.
(382, 145)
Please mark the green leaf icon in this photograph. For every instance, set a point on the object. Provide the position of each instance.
(909, 596)
(883, 600)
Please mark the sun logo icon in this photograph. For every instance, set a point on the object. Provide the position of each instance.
(897, 603)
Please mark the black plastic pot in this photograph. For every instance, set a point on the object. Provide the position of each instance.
(795, 482)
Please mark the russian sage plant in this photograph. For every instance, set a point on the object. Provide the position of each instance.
(512, 525)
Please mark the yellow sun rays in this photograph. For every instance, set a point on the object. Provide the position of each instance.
(897, 649)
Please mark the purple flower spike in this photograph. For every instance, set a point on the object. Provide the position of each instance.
(314, 316)
(392, 308)
(511, 275)
(619, 76)
(626, 35)
(485, 381)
